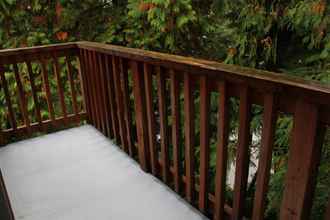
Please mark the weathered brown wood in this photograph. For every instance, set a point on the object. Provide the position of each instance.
(140, 112)
(119, 100)
(189, 137)
(151, 118)
(126, 104)
(204, 143)
(22, 98)
(242, 155)
(303, 161)
(47, 124)
(81, 83)
(2, 138)
(111, 96)
(221, 152)
(34, 93)
(101, 94)
(93, 90)
(175, 111)
(161, 90)
(104, 89)
(83, 71)
(266, 148)
(72, 85)
(4, 84)
(57, 72)
(45, 80)
(5, 206)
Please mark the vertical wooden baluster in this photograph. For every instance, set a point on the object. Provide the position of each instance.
(2, 137)
(44, 73)
(112, 101)
(98, 91)
(86, 85)
(105, 95)
(303, 161)
(242, 155)
(119, 101)
(327, 212)
(12, 117)
(175, 111)
(90, 86)
(81, 69)
(189, 137)
(266, 149)
(221, 152)
(204, 143)
(34, 93)
(72, 87)
(140, 112)
(163, 123)
(151, 118)
(22, 98)
(93, 90)
(57, 72)
(99, 70)
(127, 116)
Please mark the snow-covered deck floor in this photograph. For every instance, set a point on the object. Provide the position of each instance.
(79, 174)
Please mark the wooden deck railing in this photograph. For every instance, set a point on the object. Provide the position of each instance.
(116, 78)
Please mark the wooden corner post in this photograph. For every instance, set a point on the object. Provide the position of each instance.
(304, 157)
(140, 114)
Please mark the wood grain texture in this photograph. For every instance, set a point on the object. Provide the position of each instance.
(221, 152)
(161, 90)
(242, 155)
(303, 161)
(189, 137)
(175, 112)
(204, 144)
(141, 118)
(72, 85)
(266, 150)
(147, 71)
(6, 211)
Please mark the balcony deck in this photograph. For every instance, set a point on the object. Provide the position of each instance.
(80, 174)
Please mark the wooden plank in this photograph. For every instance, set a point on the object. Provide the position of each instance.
(204, 143)
(126, 103)
(12, 118)
(175, 111)
(81, 82)
(163, 123)
(72, 85)
(303, 161)
(112, 99)
(57, 72)
(93, 89)
(221, 152)
(140, 112)
(119, 100)
(151, 118)
(2, 138)
(85, 84)
(22, 98)
(47, 124)
(266, 150)
(189, 137)
(242, 155)
(34, 93)
(100, 93)
(104, 90)
(45, 80)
